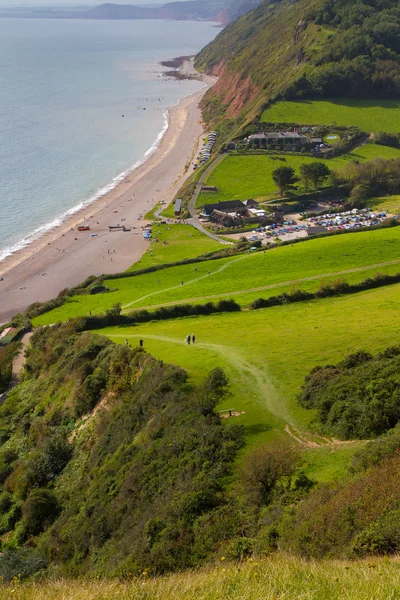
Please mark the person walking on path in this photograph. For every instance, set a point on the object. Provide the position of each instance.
(126, 342)
(193, 339)
(188, 339)
(141, 343)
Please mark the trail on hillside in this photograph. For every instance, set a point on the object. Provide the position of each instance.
(177, 287)
(250, 290)
(252, 376)
(257, 379)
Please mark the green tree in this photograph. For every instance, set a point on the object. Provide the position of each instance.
(318, 172)
(284, 177)
(305, 175)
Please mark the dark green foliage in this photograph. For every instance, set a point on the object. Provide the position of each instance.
(358, 398)
(40, 509)
(387, 139)
(285, 178)
(285, 50)
(267, 466)
(21, 563)
(114, 316)
(314, 173)
(129, 489)
(48, 461)
(376, 451)
(7, 354)
(376, 177)
(353, 517)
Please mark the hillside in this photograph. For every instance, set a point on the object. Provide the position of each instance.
(308, 48)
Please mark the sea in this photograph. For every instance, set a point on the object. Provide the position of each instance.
(82, 103)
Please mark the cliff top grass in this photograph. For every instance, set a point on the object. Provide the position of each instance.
(244, 274)
(368, 115)
(243, 176)
(276, 578)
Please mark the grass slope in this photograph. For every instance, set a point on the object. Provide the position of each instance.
(175, 243)
(279, 577)
(239, 177)
(368, 115)
(267, 353)
(313, 258)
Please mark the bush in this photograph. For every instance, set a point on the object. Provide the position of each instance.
(357, 398)
(265, 467)
(21, 563)
(40, 509)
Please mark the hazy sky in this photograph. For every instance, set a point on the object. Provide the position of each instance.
(74, 2)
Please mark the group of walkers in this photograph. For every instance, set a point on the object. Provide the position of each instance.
(189, 338)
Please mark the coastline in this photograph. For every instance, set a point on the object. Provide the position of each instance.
(63, 257)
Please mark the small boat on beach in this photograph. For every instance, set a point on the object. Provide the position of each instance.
(83, 228)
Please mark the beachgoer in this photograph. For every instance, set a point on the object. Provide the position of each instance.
(188, 339)
(141, 343)
(193, 339)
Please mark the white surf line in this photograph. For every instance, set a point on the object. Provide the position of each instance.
(256, 289)
(176, 287)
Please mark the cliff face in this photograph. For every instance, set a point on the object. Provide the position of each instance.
(256, 60)
(302, 48)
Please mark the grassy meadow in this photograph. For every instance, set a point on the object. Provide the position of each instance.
(267, 353)
(368, 115)
(279, 577)
(175, 243)
(246, 277)
(239, 177)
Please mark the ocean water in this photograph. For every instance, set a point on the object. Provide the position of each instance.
(64, 86)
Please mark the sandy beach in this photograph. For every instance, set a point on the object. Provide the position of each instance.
(64, 257)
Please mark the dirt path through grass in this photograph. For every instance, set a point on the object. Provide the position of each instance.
(251, 376)
(177, 287)
(249, 290)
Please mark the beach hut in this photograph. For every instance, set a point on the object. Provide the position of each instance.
(178, 206)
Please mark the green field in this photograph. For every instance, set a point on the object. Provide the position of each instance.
(239, 177)
(281, 266)
(267, 353)
(368, 115)
(175, 243)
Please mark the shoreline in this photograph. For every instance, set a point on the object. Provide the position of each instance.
(87, 202)
(63, 257)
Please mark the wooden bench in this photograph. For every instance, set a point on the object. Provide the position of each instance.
(229, 410)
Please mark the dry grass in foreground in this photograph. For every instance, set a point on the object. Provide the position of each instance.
(280, 577)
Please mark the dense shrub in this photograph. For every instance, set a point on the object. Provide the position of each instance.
(114, 317)
(351, 517)
(129, 488)
(40, 509)
(20, 563)
(7, 355)
(357, 398)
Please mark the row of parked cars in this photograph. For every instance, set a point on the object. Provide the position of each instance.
(352, 219)
(277, 230)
